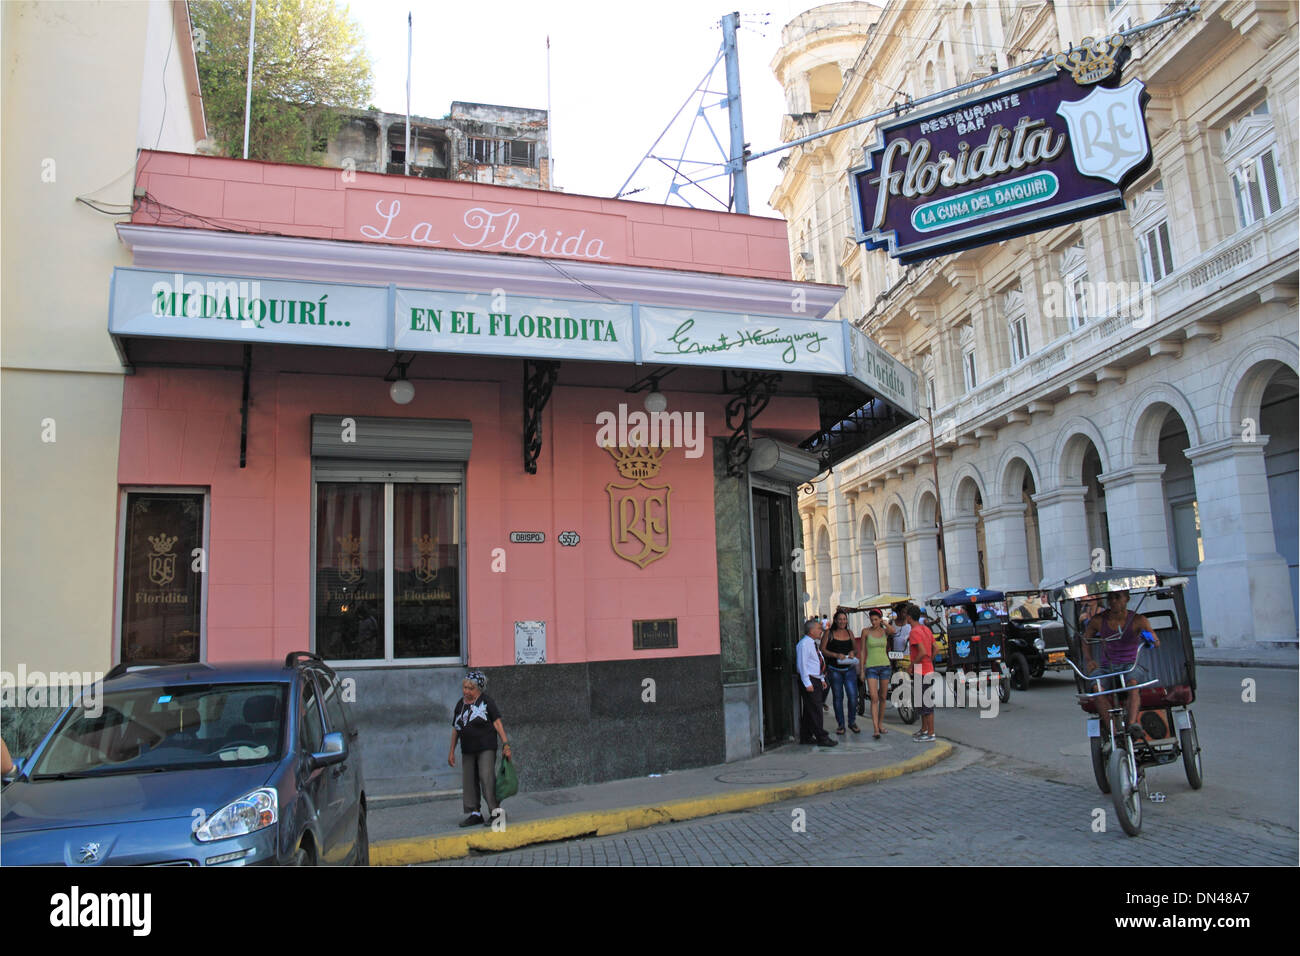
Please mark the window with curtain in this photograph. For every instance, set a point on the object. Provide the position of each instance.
(163, 557)
(388, 570)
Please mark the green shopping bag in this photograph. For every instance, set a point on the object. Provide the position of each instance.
(507, 779)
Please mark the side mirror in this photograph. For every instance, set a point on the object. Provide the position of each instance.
(334, 749)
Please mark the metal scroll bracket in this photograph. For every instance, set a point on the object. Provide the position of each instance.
(243, 411)
(539, 380)
(752, 391)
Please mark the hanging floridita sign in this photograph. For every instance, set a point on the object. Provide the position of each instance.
(1055, 147)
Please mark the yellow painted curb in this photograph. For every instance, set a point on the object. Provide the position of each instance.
(605, 822)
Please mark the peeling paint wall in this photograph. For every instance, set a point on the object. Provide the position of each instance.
(512, 140)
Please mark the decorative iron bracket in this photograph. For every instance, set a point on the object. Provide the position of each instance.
(243, 409)
(752, 393)
(539, 380)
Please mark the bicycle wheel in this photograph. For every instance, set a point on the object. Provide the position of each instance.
(1124, 788)
(1099, 763)
(1190, 745)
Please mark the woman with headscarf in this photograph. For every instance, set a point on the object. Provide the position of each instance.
(476, 723)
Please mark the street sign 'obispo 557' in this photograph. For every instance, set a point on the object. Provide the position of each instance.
(1028, 155)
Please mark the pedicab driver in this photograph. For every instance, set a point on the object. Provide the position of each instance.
(1128, 630)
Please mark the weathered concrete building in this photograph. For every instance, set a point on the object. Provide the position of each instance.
(475, 142)
(1067, 421)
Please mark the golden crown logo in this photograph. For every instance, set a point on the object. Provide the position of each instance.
(350, 569)
(638, 462)
(162, 543)
(1093, 60)
(424, 569)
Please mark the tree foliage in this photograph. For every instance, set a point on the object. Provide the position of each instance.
(309, 59)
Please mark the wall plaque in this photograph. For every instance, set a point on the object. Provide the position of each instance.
(530, 642)
(654, 635)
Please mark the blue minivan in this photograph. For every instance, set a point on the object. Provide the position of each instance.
(195, 765)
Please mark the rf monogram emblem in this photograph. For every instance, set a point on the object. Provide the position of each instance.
(640, 516)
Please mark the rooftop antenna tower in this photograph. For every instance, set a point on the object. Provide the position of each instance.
(692, 181)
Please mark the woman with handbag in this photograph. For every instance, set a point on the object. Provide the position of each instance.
(477, 724)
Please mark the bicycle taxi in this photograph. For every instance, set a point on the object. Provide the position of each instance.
(1163, 674)
(974, 633)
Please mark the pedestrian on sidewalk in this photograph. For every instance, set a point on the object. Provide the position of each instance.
(477, 724)
(920, 641)
(875, 669)
(842, 670)
(812, 685)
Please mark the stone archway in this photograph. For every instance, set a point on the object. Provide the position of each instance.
(822, 556)
(870, 582)
(891, 551)
(923, 548)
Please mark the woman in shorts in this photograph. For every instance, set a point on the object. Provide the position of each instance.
(875, 669)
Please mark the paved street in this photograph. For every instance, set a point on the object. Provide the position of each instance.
(1020, 792)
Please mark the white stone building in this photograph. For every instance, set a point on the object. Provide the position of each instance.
(1128, 383)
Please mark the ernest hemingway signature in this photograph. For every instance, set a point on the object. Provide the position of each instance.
(686, 345)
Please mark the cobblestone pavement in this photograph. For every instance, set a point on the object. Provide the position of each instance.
(985, 810)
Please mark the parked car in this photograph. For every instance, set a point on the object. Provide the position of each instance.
(1036, 640)
(195, 765)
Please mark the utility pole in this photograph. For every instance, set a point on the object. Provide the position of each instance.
(736, 162)
(248, 94)
(938, 506)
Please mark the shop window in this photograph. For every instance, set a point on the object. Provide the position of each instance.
(161, 604)
(389, 541)
(388, 563)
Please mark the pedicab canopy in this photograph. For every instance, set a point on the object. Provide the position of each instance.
(1116, 579)
(959, 596)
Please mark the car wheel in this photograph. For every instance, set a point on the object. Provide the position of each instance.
(1037, 668)
(1125, 790)
(1020, 671)
(1099, 764)
(303, 855)
(363, 839)
(1191, 747)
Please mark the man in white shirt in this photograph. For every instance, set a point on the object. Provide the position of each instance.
(812, 685)
(902, 629)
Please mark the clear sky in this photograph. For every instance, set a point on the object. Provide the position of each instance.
(619, 71)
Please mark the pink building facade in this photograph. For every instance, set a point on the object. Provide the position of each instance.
(397, 422)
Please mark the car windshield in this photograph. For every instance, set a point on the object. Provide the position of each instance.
(187, 727)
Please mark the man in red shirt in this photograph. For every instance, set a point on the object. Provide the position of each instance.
(920, 640)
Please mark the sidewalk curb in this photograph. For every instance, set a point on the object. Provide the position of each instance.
(405, 852)
(1261, 664)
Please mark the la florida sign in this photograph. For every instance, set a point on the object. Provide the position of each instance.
(1029, 155)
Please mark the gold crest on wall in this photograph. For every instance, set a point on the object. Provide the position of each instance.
(640, 516)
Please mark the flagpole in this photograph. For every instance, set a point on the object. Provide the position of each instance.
(550, 156)
(410, 28)
(248, 94)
